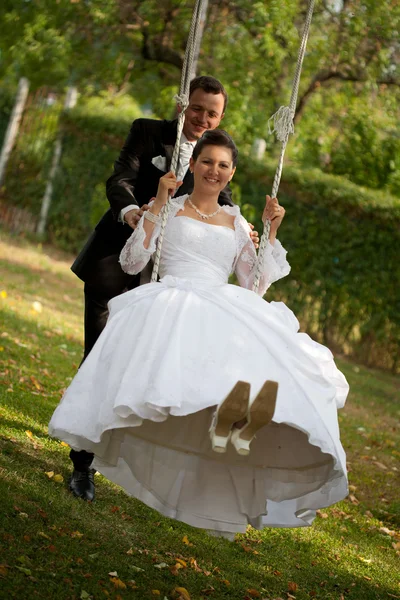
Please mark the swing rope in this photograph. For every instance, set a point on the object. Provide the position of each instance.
(283, 126)
(182, 100)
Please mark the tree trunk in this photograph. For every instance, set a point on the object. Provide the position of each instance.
(13, 125)
(70, 101)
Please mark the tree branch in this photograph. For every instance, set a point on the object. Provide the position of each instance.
(324, 77)
(155, 50)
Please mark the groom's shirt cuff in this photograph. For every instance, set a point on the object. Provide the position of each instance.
(125, 210)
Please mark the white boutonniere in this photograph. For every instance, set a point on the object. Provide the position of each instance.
(160, 162)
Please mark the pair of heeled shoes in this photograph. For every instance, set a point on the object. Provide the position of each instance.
(235, 408)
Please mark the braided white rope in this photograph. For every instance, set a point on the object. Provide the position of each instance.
(283, 126)
(183, 102)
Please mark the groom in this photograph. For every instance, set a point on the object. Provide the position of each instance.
(144, 158)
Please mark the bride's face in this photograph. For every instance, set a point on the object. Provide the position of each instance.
(213, 169)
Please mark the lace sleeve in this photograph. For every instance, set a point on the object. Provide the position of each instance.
(134, 256)
(275, 265)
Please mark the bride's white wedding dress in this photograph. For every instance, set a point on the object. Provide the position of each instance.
(171, 351)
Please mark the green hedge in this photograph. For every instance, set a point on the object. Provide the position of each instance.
(93, 135)
(343, 247)
(342, 239)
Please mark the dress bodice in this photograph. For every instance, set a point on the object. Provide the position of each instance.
(197, 250)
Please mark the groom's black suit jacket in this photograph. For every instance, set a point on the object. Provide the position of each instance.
(134, 181)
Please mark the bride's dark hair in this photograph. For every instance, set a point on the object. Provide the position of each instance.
(216, 137)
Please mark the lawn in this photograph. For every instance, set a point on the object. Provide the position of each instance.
(56, 547)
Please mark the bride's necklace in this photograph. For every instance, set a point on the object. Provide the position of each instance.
(203, 215)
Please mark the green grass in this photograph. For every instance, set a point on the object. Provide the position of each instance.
(54, 546)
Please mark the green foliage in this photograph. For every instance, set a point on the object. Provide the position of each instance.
(343, 243)
(93, 136)
(359, 140)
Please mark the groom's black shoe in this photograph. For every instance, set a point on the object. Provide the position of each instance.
(81, 484)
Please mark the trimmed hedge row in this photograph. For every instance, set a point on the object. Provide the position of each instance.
(342, 239)
(343, 247)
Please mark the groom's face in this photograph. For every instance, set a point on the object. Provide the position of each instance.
(205, 111)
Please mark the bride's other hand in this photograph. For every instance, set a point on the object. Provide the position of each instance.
(274, 213)
(254, 236)
(167, 185)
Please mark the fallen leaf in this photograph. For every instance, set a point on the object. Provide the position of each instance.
(76, 534)
(84, 595)
(113, 574)
(30, 435)
(181, 562)
(253, 593)
(353, 499)
(120, 585)
(185, 540)
(130, 551)
(292, 586)
(35, 383)
(162, 565)
(64, 445)
(49, 474)
(37, 306)
(156, 592)
(3, 571)
(136, 569)
(58, 479)
(380, 465)
(23, 570)
(195, 566)
(183, 593)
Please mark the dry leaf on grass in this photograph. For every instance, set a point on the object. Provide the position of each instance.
(253, 593)
(182, 593)
(185, 540)
(3, 571)
(118, 584)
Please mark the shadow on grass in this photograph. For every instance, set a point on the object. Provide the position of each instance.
(115, 522)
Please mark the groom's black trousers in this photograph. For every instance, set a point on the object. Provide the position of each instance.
(107, 281)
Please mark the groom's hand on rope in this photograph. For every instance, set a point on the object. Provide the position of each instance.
(167, 186)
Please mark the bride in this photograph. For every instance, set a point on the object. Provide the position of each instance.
(189, 369)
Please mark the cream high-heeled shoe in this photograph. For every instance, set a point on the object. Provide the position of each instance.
(260, 413)
(234, 408)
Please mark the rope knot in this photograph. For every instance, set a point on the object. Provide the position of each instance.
(182, 101)
(283, 124)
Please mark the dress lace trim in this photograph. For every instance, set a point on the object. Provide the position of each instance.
(134, 256)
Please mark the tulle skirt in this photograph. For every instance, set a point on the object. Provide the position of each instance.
(143, 400)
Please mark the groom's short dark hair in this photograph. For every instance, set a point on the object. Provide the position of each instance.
(210, 85)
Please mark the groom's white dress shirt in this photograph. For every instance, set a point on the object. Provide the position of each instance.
(185, 154)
